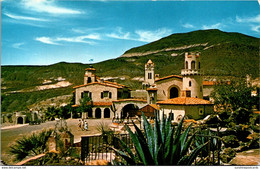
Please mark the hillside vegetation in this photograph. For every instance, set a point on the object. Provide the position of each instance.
(222, 54)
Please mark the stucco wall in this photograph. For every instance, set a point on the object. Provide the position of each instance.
(192, 112)
(164, 86)
(96, 90)
(175, 109)
(196, 83)
(207, 90)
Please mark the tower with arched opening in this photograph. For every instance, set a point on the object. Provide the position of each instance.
(192, 77)
(149, 74)
(89, 76)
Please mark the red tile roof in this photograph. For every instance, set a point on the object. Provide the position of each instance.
(102, 103)
(104, 84)
(90, 69)
(125, 100)
(97, 104)
(114, 83)
(212, 83)
(154, 106)
(208, 83)
(151, 89)
(185, 101)
(167, 77)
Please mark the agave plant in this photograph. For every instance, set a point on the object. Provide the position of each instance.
(160, 144)
(31, 145)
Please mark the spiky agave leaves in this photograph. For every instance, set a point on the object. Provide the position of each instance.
(31, 145)
(160, 144)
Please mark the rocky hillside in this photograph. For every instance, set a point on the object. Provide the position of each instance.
(222, 54)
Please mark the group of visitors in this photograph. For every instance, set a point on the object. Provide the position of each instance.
(83, 124)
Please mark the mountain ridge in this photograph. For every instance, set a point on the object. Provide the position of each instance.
(230, 54)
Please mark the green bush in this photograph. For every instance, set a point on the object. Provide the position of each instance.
(230, 141)
(227, 155)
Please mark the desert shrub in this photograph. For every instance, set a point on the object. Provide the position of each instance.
(230, 141)
(227, 155)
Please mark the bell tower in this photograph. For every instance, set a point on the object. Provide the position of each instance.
(192, 76)
(149, 74)
(89, 76)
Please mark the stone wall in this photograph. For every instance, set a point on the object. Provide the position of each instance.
(139, 94)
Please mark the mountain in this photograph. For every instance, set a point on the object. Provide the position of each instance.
(222, 54)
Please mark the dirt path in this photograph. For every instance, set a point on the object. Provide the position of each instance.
(250, 157)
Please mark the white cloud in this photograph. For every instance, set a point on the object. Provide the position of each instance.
(215, 26)
(119, 34)
(149, 36)
(187, 25)
(140, 35)
(256, 28)
(77, 39)
(18, 45)
(46, 40)
(86, 30)
(253, 22)
(17, 17)
(255, 19)
(47, 6)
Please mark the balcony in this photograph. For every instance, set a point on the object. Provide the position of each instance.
(191, 72)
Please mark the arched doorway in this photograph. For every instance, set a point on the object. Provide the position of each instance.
(129, 110)
(107, 113)
(19, 120)
(90, 113)
(174, 92)
(98, 113)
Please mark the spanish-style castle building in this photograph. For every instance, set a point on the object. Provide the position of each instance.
(174, 95)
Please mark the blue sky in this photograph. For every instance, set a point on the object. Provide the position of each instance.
(43, 32)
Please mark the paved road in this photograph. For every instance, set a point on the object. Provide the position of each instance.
(9, 135)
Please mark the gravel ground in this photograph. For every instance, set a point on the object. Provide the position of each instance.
(11, 133)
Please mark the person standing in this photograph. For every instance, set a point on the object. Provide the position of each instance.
(86, 125)
(79, 125)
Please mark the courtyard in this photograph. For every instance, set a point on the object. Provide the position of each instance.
(11, 133)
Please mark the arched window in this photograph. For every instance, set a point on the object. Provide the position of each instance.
(98, 113)
(186, 65)
(90, 113)
(107, 113)
(193, 64)
(174, 92)
(149, 75)
(189, 83)
(89, 79)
